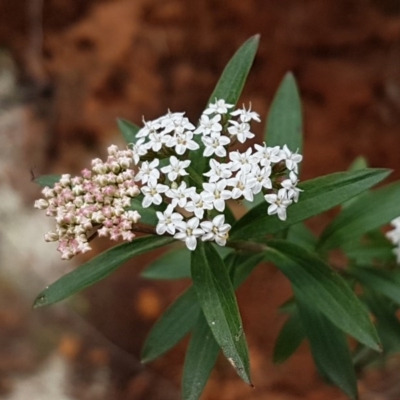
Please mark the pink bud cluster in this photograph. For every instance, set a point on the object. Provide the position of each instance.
(95, 201)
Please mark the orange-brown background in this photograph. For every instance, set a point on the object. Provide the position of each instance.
(80, 64)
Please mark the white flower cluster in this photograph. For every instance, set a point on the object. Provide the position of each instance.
(232, 175)
(394, 237)
(96, 200)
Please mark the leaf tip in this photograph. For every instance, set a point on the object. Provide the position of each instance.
(40, 301)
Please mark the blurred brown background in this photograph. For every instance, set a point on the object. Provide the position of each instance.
(68, 68)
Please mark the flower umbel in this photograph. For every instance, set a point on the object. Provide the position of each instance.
(98, 200)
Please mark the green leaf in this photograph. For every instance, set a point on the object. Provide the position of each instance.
(364, 254)
(371, 211)
(289, 338)
(200, 359)
(97, 269)
(174, 264)
(128, 130)
(318, 284)
(386, 283)
(388, 325)
(182, 315)
(299, 234)
(319, 195)
(47, 180)
(284, 123)
(217, 299)
(329, 347)
(229, 88)
(172, 326)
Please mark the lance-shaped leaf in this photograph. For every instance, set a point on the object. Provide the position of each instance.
(371, 211)
(329, 347)
(387, 324)
(284, 123)
(321, 286)
(200, 359)
(229, 88)
(128, 130)
(47, 180)
(319, 195)
(182, 315)
(217, 299)
(97, 269)
(173, 325)
(175, 264)
(289, 338)
(384, 282)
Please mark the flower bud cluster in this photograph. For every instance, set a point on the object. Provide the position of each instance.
(95, 201)
(394, 237)
(194, 213)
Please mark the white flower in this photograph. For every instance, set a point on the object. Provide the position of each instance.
(148, 171)
(262, 176)
(182, 142)
(242, 184)
(152, 193)
(180, 195)
(177, 123)
(289, 187)
(218, 171)
(167, 221)
(242, 161)
(149, 127)
(246, 115)
(219, 107)
(197, 205)
(216, 194)
(189, 232)
(209, 125)
(155, 142)
(268, 155)
(291, 159)
(241, 130)
(279, 203)
(216, 230)
(138, 150)
(175, 168)
(215, 144)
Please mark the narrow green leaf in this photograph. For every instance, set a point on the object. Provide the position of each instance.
(367, 255)
(47, 180)
(371, 211)
(174, 264)
(289, 338)
(217, 299)
(172, 326)
(97, 269)
(386, 283)
(182, 315)
(387, 324)
(284, 123)
(329, 347)
(200, 359)
(319, 195)
(128, 129)
(299, 234)
(229, 88)
(318, 284)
